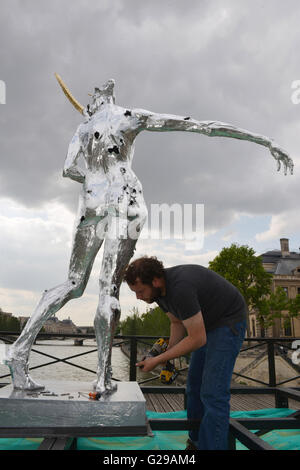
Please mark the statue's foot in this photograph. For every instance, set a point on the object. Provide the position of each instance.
(111, 387)
(20, 377)
(104, 389)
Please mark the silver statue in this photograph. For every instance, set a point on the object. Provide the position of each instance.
(111, 208)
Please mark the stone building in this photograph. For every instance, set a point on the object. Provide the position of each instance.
(54, 325)
(284, 265)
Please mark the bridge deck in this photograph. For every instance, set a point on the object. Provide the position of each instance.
(165, 403)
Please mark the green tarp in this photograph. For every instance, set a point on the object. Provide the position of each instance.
(170, 440)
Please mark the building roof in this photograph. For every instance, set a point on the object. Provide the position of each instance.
(67, 321)
(283, 265)
(287, 266)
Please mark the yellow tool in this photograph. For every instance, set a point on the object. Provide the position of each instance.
(169, 371)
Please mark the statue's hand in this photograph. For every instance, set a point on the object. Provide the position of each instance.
(282, 158)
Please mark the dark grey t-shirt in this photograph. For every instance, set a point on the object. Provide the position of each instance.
(191, 288)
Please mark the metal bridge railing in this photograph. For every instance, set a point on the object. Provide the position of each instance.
(275, 346)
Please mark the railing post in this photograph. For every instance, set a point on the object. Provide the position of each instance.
(133, 359)
(271, 362)
(280, 400)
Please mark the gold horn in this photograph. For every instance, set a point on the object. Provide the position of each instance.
(69, 95)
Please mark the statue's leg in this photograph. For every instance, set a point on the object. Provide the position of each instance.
(117, 253)
(85, 247)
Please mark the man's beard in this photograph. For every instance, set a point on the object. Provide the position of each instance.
(156, 292)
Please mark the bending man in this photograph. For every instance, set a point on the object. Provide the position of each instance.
(208, 318)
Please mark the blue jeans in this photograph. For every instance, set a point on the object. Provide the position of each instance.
(208, 386)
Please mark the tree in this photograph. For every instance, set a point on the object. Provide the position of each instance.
(8, 323)
(277, 305)
(240, 266)
(154, 322)
(132, 325)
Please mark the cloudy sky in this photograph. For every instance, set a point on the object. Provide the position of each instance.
(232, 61)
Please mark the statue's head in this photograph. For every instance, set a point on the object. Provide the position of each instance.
(102, 95)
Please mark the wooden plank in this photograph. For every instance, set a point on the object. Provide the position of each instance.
(149, 403)
(176, 401)
(169, 402)
(158, 403)
(251, 402)
(164, 403)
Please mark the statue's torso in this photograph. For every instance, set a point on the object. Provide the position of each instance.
(107, 146)
(107, 138)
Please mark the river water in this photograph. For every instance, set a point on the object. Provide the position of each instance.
(62, 371)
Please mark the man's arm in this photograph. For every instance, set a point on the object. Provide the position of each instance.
(177, 330)
(71, 169)
(168, 122)
(196, 337)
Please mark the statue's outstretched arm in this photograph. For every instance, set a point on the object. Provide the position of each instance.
(168, 122)
(71, 168)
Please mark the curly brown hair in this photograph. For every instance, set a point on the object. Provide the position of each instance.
(145, 268)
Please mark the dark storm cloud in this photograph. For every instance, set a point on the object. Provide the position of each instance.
(224, 60)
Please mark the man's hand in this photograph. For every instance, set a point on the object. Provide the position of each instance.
(196, 338)
(148, 364)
